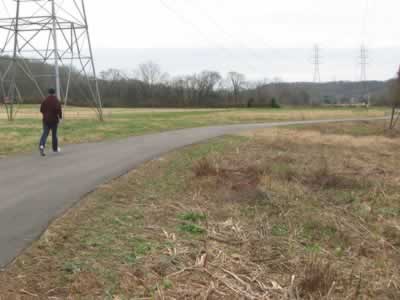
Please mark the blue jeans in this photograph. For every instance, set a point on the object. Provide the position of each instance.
(46, 131)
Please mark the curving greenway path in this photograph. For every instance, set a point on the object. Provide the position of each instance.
(35, 190)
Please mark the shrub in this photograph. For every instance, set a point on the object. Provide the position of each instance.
(204, 168)
(274, 103)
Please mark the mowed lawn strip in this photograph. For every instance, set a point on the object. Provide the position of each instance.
(302, 212)
(81, 125)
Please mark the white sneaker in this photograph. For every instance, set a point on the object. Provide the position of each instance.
(41, 149)
(58, 150)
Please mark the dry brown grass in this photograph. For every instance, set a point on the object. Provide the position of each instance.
(318, 280)
(73, 112)
(204, 167)
(300, 114)
(286, 214)
(220, 115)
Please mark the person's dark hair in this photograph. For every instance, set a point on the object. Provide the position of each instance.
(52, 91)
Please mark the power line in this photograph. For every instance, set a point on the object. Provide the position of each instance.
(6, 8)
(364, 21)
(205, 36)
(185, 20)
(225, 32)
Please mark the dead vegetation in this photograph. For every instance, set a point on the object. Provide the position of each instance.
(318, 279)
(286, 214)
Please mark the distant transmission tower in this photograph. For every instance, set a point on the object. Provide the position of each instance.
(317, 63)
(363, 77)
(46, 43)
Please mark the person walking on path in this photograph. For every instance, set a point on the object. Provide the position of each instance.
(52, 115)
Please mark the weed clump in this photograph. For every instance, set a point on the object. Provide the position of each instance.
(191, 222)
(191, 228)
(280, 230)
(323, 176)
(204, 168)
(392, 234)
(192, 217)
(284, 171)
(318, 279)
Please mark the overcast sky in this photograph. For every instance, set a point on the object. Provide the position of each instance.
(262, 38)
(244, 25)
(238, 23)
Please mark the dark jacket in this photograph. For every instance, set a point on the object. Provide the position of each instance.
(51, 110)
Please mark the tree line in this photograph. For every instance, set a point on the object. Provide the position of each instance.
(150, 86)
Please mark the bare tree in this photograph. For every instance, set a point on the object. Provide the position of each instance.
(207, 81)
(395, 102)
(238, 82)
(113, 75)
(113, 82)
(182, 85)
(191, 86)
(260, 93)
(150, 73)
(197, 87)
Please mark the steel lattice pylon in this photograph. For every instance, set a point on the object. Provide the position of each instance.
(317, 63)
(364, 79)
(46, 43)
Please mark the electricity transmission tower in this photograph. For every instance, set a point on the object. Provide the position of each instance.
(43, 44)
(364, 78)
(317, 63)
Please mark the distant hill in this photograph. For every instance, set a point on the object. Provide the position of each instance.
(340, 92)
(344, 91)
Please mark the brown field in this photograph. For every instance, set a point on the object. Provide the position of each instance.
(298, 213)
(73, 112)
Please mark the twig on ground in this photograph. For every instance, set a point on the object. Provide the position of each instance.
(292, 290)
(331, 290)
(224, 241)
(28, 293)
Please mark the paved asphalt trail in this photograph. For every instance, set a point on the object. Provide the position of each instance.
(35, 190)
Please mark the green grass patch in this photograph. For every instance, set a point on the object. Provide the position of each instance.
(280, 230)
(191, 228)
(80, 125)
(192, 217)
(389, 211)
(314, 230)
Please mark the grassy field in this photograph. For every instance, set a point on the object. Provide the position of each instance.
(296, 213)
(80, 124)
